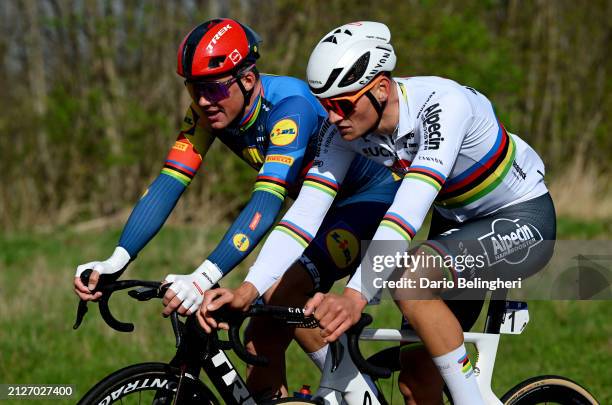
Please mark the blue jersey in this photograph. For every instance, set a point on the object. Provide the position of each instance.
(279, 136)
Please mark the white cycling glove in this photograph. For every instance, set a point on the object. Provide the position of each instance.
(190, 288)
(118, 260)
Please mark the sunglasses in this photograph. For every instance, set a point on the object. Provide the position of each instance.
(213, 92)
(345, 105)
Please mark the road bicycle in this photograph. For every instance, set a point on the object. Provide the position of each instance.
(503, 317)
(344, 379)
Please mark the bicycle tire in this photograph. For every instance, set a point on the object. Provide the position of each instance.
(548, 389)
(157, 380)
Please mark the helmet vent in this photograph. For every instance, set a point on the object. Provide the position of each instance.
(330, 80)
(216, 61)
(356, 71)
(331, 38)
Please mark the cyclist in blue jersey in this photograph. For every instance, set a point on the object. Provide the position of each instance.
(445, 141)
(274, 124)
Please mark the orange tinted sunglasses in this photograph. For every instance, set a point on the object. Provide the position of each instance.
(344, 105)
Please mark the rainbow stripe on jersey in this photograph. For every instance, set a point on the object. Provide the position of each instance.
(182, 161)
(249, 119)
(271, 184)
(300, 235)
(482, 177)
(426, 174)
(322, 183)
(394, 221)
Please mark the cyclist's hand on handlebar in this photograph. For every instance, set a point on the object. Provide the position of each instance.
(213, 300)
(187, 290)
(335, 313)
(117, 262)
(239, 299)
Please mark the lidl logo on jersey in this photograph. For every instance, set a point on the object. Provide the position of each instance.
(343, 247)
(241, 242)
(284, 132)
(509, 241)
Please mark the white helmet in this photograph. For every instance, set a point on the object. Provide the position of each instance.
(349, 57)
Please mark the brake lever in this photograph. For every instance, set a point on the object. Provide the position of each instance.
(81, 311)
(176, 328)
(107, 284)
(82, 307)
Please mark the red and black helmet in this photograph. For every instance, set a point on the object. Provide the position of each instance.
(217, 47)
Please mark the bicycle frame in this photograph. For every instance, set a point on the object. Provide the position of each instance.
(486, 345)
(348, 385)
(226, 379)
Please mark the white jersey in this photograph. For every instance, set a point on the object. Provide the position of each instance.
(450, 150)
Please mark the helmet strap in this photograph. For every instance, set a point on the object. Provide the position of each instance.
(379, 107)
(247, 94)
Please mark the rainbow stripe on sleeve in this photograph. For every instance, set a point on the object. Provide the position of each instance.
(300, 235)
(399, 225)
(273, 185)
(182, 161)
(426, 174)
(321, 183)
(482, 177)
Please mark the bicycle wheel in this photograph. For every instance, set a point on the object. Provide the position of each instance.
(548, 389)
(148, 383)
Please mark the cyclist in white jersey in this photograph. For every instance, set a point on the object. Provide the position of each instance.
(452, 152)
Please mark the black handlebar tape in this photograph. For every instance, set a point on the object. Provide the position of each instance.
(353, 347)
(108, 286)
(240, 350)
(85, 276)
(110, 319)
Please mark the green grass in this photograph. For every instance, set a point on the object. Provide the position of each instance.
(37, 308)
(571, 228)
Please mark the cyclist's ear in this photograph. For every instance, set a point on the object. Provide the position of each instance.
(383, 89)
(249, 79)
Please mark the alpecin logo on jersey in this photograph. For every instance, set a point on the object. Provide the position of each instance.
(431, 127)
(510, 240)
